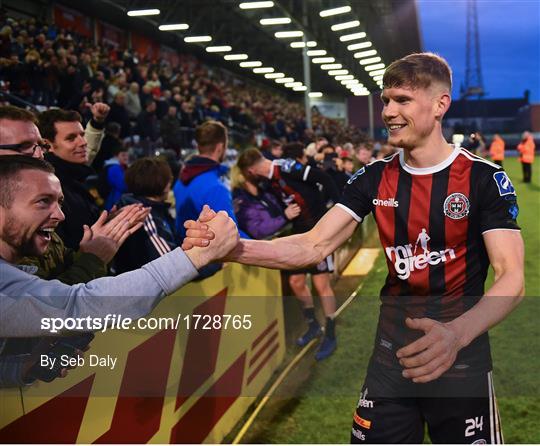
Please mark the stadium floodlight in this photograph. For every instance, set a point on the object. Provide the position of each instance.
(284, 80)
(196, 39)
(235, 56)
(338, 72)
(344, 77)
(142, 12)
(275, 21)
(256, 5)
(346, 25)
(363, 54)
(354, 36)
(359, 46)
(323, 60)
(335, 11)
(309, 44)
(251, 64)
(288, 34)
(376, 72)
(312, 53)
(377, 66)
(300, 88)
(378, 77)
(263, 70)
(350, 82)
(293, 84)
(315, 94)
(370, 60)
(331, 66)
(174, 27)
(274, 75)
(361, 93)
(219, 49)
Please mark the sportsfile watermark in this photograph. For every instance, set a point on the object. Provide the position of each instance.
(225, 345)
(55, 325)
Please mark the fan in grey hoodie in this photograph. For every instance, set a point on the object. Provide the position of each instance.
(26, 299)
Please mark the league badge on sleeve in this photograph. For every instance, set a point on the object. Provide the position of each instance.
(356, 175)
(504, 184)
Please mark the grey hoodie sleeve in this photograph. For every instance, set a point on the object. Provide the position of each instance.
(11, 371)
(25, 299)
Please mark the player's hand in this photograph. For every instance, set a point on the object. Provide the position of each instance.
(433, 354)
(198, 232)
(226, 238)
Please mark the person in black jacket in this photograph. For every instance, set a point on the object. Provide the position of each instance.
(296, 181)
(148, 181)
(62, 129)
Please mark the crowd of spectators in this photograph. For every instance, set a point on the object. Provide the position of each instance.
(150, 99)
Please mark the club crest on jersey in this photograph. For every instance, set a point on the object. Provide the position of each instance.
(504, 184)
(456, 206)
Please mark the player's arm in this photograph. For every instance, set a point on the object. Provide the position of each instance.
(506, 254)
(434, 353)
(295, 251)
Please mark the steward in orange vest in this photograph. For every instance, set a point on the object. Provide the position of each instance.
(526, 150)
(496, 150)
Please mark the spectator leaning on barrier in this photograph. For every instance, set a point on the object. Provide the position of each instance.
(62, 129)
(297, 182)
(100, 243)
(259, 212)
(148, 182)
(26, 299)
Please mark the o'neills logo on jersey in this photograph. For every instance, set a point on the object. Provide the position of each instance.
(409, 258)
(390, 203)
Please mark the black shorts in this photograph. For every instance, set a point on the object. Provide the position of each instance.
(326, 266)
(455, 410)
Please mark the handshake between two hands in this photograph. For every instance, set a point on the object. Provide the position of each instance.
(212, 237)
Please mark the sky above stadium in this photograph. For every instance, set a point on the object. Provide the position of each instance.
(509, 42)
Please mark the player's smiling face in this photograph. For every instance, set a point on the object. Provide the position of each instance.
(409, 114)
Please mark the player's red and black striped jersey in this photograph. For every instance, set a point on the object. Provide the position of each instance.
(307, 186)
(431, 223)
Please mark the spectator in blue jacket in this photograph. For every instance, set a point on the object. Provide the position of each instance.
(201, 178)
(114, 169)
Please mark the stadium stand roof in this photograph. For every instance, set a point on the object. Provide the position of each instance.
(493, 108)
(391, 25)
